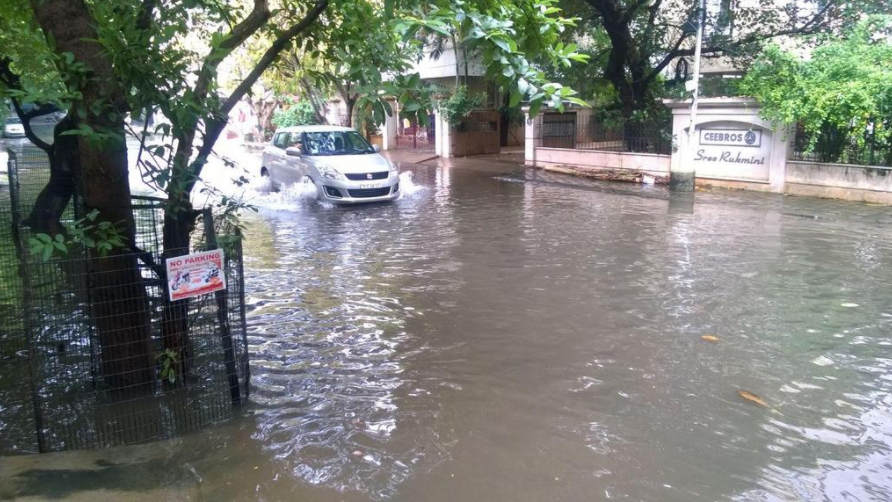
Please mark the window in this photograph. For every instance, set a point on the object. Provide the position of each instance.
(294, 141)
(281, 140)
(336, 143)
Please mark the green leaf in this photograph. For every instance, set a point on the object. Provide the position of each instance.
(515, 99)
(414, 80)
(502, 44)
(535, 106)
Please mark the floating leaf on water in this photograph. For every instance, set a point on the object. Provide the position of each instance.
(849, 305)
(749, 396)
(710, 338)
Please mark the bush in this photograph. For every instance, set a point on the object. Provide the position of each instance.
(460, 105)
(297, 114)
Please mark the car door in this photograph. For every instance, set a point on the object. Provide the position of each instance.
(274, 161)
(293, 168)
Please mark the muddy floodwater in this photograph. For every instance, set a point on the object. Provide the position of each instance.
(498, 335)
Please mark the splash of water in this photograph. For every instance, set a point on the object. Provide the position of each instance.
(408, 187)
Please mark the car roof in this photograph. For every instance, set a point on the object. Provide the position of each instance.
(314, 128)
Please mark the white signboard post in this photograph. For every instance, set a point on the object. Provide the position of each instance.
(195, 274)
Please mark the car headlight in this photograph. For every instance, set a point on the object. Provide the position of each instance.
(393, 169)
(329, 172)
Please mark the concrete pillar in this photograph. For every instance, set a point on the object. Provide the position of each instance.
(444, 136)
(530, 139)
(388, 130)
(781, 151)
(681, 166)
(438, 133)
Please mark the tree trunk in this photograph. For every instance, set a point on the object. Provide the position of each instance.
(179, 222)
(265, 117)
(626, 65)
(503, 120)
(457, 67)
(46, 214)
(315, 101)
(351, 104)
(118, 300)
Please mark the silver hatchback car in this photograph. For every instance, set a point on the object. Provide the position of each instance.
(341, 164)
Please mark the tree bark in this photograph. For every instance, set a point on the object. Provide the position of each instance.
(315, 101)
(63, 154)
(118, 300)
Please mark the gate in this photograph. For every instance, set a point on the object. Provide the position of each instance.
(410, 135)
(477, 134)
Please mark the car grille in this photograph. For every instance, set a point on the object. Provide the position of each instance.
(369, 192)
(365, 176)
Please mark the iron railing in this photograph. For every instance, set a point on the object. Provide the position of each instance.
(836, 146)
(567, 130)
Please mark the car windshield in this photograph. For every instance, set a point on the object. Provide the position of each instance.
(336, 143)
(13, 120)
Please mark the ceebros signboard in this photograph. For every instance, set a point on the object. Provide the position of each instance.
(733, 153)
(731, 137)
(195, 274)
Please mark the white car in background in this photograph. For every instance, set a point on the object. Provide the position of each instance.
(338, 161)
(13, 128)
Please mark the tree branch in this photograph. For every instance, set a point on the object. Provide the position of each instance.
(270, 56)
(256, 19)
(258, 16)
(12, 81)
(809, 27)
(673, 54)
(215, 125)
(144, 21)
(315, 101)
(26, 124)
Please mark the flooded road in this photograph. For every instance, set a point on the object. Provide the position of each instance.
(498, 335)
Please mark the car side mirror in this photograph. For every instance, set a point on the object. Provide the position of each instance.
(376, 148)
(292, 152)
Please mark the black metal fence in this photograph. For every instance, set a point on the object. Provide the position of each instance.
(836, 146)
(585, 132)
(89, 341)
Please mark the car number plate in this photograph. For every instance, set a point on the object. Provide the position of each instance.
(371, 185)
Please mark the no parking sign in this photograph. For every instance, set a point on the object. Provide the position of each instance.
(195, 274)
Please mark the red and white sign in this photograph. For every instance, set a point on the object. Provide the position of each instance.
(195, 274)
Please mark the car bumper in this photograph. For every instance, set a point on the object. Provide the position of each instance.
(359, 192)
(13, 133)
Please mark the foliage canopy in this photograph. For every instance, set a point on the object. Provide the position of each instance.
(846, 85)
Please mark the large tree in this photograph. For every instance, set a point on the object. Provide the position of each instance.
(108, 58)
(633, 42)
